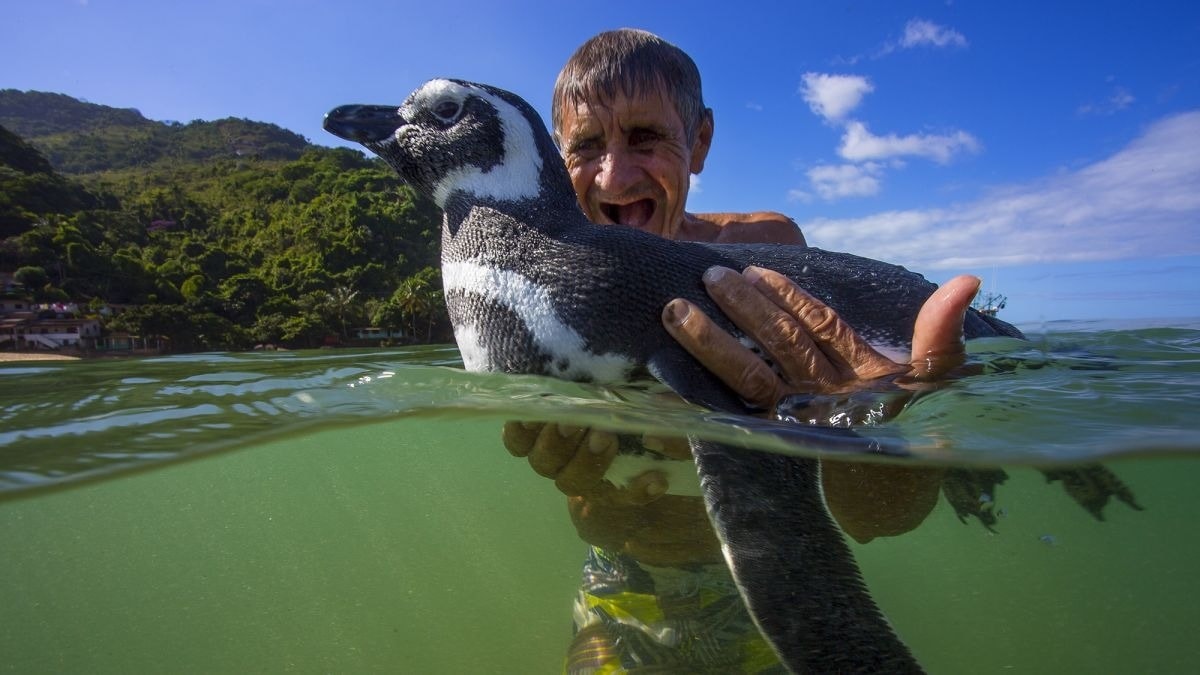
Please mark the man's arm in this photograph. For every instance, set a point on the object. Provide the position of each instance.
(759, 227)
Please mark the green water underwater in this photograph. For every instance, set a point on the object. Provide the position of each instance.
(341, 511)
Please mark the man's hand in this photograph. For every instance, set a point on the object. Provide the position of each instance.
(576, 459)
(638, 519)
(817, 352)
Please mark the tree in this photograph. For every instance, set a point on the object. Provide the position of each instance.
(32, 277)
(419, 297)
(217, 249)
(389, 316)
(193, 288)
(340, 303)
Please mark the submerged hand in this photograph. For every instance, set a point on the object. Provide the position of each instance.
(577, 458)
(637, 519)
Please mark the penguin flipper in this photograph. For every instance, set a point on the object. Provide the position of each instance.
(792, 565)
(788, 558)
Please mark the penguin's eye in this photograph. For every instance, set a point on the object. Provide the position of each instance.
(446, 109)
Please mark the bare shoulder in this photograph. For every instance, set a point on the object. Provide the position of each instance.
(758, 227)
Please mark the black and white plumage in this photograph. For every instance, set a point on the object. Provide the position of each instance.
(533, 287)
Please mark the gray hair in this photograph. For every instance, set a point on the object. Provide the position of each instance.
(635, 62)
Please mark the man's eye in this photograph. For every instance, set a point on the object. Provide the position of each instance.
(642, 137)
(447, 110)
(585, 148)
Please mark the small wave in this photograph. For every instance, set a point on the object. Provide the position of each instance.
(1065, 396)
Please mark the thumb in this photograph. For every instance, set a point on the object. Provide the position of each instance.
(937, 344)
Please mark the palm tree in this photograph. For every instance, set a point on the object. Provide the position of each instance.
(410, 296)
(419, 297)
(341, 301)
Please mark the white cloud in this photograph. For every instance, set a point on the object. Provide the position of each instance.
(798, 195)
(1119, 100)
(921, 33)
(1140, 202)
(918, 33)
(845, 180)
(833, 96)
(859, 144)
(694, 184)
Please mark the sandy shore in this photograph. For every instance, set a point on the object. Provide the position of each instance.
(35, 356)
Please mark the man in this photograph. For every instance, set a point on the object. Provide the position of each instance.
(629, 118)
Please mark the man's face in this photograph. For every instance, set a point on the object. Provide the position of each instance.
(630, 161)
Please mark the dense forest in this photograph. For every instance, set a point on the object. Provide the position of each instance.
(215, 235)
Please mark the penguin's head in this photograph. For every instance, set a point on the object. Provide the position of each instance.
(453, 136)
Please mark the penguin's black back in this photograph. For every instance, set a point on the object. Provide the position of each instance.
(610, 284)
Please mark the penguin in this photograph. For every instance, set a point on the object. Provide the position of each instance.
(532, 286)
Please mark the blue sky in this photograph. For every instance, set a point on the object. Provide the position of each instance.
(1052, 150)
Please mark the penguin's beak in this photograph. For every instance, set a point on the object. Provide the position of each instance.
(364, 123)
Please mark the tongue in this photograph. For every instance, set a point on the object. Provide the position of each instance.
(635, 214)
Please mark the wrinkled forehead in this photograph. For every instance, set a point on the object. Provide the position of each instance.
(608, 93)
(650, 107)
(650, 100)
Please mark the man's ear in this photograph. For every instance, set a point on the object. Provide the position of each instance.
(704, 135)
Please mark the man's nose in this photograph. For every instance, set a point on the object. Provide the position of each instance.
(617, 171)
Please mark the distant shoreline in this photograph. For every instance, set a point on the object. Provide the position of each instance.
(35, 356)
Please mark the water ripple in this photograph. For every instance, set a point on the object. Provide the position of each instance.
(1073, 396)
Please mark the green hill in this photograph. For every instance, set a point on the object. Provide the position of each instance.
(79, 137)
(30, 189)
(222, 234)
(33, 114)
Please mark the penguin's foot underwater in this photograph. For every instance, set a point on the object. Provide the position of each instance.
(972, 491)
(1091, 486)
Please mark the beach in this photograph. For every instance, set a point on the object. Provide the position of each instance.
(35, 356)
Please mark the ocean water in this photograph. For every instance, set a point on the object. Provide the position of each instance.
(355, 511)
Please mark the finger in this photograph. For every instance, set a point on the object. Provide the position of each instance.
(598, 523)
(851, 356)
(519, 437)
(937, 345)
(782, 336)
(584, 469)
(676, 532)
(739, 368)
(674, 447)
(554, 446)
(643, 489)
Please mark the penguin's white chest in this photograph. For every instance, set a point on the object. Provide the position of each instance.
(533, 305)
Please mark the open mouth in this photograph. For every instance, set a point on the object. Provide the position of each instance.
(633, 214)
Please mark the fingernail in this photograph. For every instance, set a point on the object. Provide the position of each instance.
(715, 273)
(753, 274)
(598, 443)
(567, 430)
(677, 311)
(655, 488)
